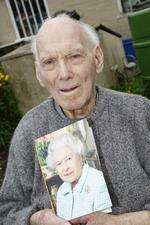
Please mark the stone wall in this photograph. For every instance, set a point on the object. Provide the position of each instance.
(113, 55)
(7, 32)
(20, 66)
(95, 12)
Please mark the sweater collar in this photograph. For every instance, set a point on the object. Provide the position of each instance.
(96, 111)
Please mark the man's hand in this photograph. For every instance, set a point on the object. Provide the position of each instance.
(46, 217)
(99, 218)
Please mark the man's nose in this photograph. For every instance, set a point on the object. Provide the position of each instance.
(64, 70)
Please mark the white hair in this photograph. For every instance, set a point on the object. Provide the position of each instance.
(61, 141)
(89, 30)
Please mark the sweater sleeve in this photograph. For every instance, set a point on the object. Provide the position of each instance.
(147, 155)
(15, 205)
(142, 127)
(16, 201)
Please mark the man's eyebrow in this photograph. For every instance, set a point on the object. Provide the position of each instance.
(75, 50)
(46, 57)
(79, 49)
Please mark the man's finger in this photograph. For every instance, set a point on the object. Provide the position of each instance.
(83, 219)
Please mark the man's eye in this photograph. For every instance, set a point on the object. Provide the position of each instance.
(76, 56)
(49, 62)
(76, 59)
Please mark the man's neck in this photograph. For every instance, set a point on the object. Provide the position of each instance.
(81, 113)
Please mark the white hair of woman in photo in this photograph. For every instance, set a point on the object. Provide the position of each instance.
(59, 143)
(84, 189)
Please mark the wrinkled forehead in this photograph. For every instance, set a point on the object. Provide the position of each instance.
(60, 33)
(60, 49)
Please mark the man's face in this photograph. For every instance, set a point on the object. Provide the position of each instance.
(68, 164)
(66, 66)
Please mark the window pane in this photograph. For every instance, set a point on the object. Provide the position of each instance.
(37, 14)
(134, 5)
(28, 15)
(43, 9)
(31, 17)
(16, 17)
(23, 17)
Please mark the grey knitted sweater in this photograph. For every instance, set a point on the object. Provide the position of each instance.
(121, 126)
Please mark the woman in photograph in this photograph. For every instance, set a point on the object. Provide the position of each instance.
(84, 189)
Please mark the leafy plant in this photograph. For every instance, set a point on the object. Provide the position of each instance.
(41, 148)
(9, 117)
(135, 84)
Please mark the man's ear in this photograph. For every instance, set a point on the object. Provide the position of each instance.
(98, 58)
(37, 69)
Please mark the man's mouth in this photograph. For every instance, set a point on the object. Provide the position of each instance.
(68, 89)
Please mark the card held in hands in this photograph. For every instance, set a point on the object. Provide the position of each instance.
(72, 173)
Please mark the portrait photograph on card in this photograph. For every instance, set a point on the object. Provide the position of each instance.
(71, 171)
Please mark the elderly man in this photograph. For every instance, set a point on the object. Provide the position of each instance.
(68, 57)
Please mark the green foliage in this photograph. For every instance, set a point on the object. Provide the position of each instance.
(133, 84)
(9, 117)
(41, 148)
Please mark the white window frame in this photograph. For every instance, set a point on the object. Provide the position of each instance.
(18, 37)
(121, 7)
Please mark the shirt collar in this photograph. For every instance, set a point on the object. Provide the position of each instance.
(60, 110)
(82, 180)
